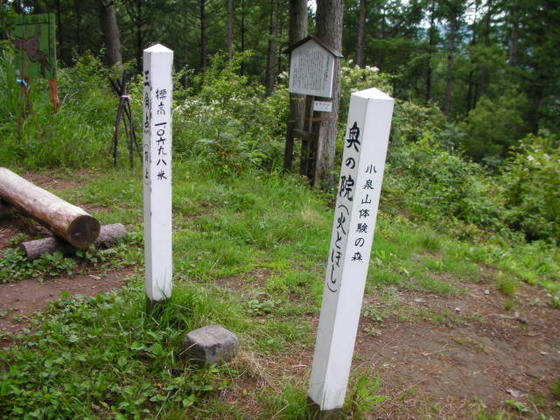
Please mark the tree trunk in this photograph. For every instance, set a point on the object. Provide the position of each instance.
(59, 33)
(242, 35)
(453, 23)
(110, 29)
(297, 31)
(272, 47)
(361, 35)
(471, 84)
(514, 38)
(382, 53)
(203, 38)
(68, 222)
(78, 11)
(229, 40)
(486, 42)
(432, 43)
(139, 36)
(109, 235)
(329, 30)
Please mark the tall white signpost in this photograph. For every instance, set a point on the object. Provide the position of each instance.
(361, 176)
(158, 89)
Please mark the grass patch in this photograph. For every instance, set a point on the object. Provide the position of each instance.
(250, 254)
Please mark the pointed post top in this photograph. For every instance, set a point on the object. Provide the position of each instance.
(158, 48)
(373, 93)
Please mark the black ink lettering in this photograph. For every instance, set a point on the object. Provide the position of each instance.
(346, 185)
(354, 135)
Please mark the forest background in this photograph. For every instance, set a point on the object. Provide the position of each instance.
(476, 82)
(471, 193)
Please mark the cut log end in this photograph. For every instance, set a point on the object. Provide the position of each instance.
(83, 231)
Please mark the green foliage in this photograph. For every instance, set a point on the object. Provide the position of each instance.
(433, 184)
(495, 126)
(14, 265)
(226, 122)
(556, 389)
(99, 357)
(365, 398)
(412, 122)
(78, 135)
(532, 188)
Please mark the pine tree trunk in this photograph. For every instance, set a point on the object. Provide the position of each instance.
(203, 36)
(514, 38)
(432, 42)
(297, 31)
(486, 42)
(450, 59)
(272, 47)
(242, 35)
(110, 29)
(471, 84)
(78, 11)
(229, 39)
(361, 35)
(329, 30)
(139, 37)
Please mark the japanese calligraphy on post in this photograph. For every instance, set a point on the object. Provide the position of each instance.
(157, 139)
(359, 188)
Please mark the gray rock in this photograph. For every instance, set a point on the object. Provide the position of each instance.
(212, 344)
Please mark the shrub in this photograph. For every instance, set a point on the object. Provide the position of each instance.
(532, 188)
(227, 121)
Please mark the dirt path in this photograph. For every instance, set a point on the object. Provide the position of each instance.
(439, 357)
(22, 299)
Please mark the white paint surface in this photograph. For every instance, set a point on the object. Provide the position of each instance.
(311, 70)
(361, 176)
(322, 106)
(158, 90)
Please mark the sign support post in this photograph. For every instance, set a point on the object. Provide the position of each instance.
(363, 163)
(158, 90)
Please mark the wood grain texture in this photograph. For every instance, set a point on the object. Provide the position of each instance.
(65, 220)
(109, 235)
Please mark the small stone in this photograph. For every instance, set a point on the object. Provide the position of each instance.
(419, 300)
(544, 353)
(487, 292)
(212, 344)
(457, 309)
(514, 393)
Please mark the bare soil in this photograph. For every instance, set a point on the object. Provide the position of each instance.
(481, 359)
(22, 299)
(438, 357)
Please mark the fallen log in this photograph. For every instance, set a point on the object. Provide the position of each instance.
(65, 220)
(5, 210)
(109, 235)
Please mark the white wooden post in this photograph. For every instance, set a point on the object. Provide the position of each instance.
(158, 90)
(361, 176)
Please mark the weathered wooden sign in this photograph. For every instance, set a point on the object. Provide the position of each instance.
(361, 176)
(35, 44)
(312, 68)
(158, 89)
